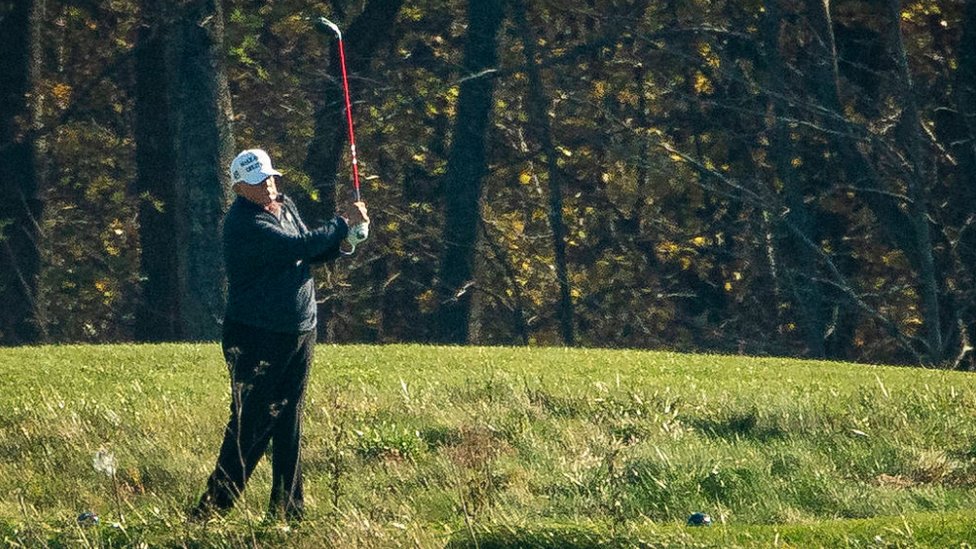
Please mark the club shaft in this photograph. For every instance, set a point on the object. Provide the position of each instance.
(352, 133)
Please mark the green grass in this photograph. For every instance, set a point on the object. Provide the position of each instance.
(433, 446)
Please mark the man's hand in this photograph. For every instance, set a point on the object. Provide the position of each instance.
(355, 213)
(358, 221)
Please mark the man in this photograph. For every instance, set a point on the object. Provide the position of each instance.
(269, 331)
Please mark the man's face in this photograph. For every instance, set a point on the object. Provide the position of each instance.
(262, 194)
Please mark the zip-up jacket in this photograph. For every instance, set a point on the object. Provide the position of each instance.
(269, 278)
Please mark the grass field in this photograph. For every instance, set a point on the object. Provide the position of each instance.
(497, 447)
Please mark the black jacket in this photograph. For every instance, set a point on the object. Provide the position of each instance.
(269, 279)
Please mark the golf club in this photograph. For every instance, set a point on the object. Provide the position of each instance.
(323, 25)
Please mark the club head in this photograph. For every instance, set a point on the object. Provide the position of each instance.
(325, 26)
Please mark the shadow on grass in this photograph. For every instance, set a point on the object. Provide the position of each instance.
(738, 425)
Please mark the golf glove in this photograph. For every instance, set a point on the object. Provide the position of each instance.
(357, 234)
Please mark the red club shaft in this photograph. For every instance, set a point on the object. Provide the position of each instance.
(352, 133)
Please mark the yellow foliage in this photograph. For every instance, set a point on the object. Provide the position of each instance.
(702, 84)
(518, 226)
(892, 258)
(919, 9)
(62, 94)
(427, 301)
(525, 178)
(412, 13)
(667, 248)
(599, 89)
(705, 50)
(627, 97)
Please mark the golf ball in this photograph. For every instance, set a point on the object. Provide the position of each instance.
(699, 519)
(88, 519)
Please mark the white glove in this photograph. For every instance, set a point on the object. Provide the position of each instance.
(357, 234)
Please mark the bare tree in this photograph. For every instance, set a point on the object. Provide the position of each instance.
(805, 291)
(903, 220)
(963, 242)
(539, 120)
(466, 168)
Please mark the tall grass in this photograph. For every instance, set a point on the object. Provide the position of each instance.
(421, 446)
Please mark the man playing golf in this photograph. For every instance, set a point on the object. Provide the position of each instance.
(269, 331)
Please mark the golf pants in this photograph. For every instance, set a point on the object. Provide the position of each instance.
(269, 373)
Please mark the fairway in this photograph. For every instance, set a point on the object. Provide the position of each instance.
(427, 446)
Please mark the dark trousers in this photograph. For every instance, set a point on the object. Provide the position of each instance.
(268, 374)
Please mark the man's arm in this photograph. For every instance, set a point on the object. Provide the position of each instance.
(273, 245)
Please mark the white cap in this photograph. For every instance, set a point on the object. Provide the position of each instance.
(252, 167)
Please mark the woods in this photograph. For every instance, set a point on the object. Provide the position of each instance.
(183, 138)
(21, 320)
(766, 177)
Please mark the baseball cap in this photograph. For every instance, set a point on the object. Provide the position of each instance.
(252, 167)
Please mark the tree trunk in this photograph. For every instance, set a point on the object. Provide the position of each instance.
(794, 252)
(466, 167)
(205, 145)
(158, 314)
(539, 120)
(917, 181)
(184, 146)
(21, 206)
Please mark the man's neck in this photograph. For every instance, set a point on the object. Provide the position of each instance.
(273, 207)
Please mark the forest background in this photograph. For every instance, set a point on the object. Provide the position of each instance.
(786, 177)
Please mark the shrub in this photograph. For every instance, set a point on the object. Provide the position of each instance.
(386, 440)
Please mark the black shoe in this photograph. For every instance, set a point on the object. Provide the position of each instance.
(293, 515)
(205, 511)
(200, 514)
